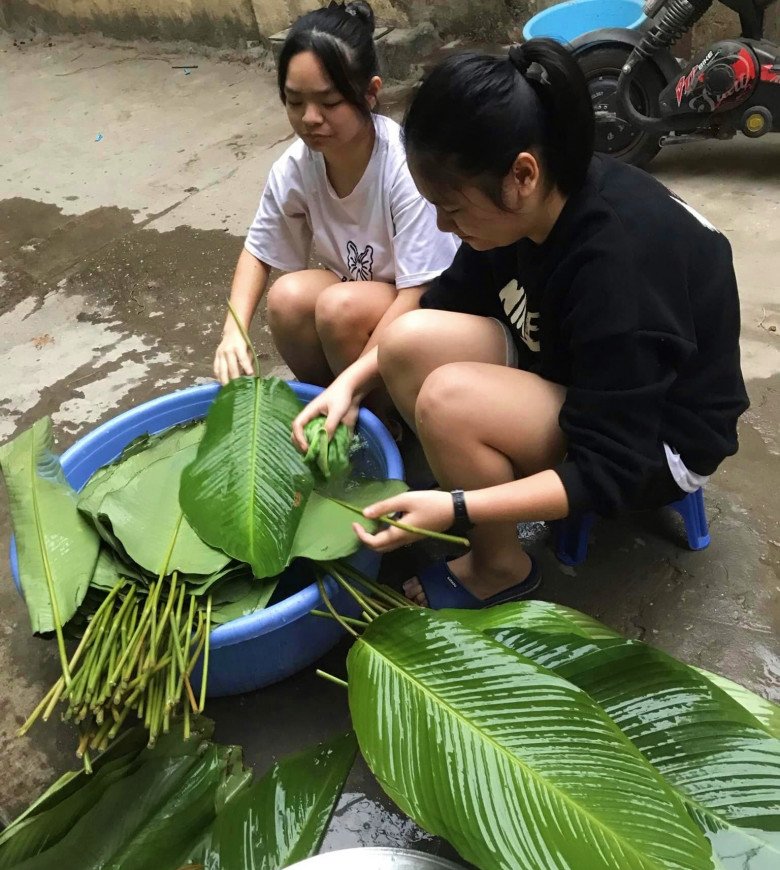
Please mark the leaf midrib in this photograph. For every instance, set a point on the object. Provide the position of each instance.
(516, 760)
(41, 538)
(250, 502)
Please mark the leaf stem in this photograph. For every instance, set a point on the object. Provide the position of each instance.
(414, 530)
(245, 336)
(358, 623)
(354, 593)
(332, 679)
(332, 609)
(205, 677)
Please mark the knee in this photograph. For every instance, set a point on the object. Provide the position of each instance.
(289, 302)
(341, 311)
(442, 400)
(402, 341)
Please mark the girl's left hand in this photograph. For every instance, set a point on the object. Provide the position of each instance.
(429, 510)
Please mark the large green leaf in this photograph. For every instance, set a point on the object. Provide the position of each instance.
(282, 818)
(249, 491)
(709, 747)
(137, 456)
(146, 517)
(246, 490)
(509, 762)
(548, 617)
(56, 547)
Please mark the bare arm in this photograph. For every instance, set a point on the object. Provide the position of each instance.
(539, 497)
(249, 282)
(340, 402)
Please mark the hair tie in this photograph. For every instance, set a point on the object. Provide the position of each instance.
(518, 59)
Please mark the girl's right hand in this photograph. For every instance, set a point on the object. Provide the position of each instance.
(233, 358)
(338, 403)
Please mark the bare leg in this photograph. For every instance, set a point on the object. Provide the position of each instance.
(291, 304)
(419, 342)
(480, 423)
(483, 425)
(346, 314)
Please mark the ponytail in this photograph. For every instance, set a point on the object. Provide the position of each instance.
(474, 113)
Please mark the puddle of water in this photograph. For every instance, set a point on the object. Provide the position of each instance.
(48, 343)
(359, 822)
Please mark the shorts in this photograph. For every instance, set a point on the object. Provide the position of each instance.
(671, 482)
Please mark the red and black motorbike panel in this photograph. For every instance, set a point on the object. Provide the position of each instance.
(720, 79)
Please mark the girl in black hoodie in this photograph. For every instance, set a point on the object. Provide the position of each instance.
(582, 351)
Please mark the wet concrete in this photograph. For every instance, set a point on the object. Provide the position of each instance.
(115, 260)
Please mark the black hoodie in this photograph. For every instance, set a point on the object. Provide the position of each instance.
(631, 303)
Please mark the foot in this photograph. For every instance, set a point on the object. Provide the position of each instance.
(481, 582)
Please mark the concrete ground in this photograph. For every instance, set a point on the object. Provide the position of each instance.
(125, 189)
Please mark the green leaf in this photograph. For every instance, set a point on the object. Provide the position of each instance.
(547, 617)
(325, 530)
(140, 809)
(282, 818)
(541, 616)
(106, 574)
(134, 458)
(240, 595)
(509, 762)
(249, 491)
(246, 490)
(56, 547)
(197, 584)
(721, 760)
(115, 477)
(145, 515)
(766, 712)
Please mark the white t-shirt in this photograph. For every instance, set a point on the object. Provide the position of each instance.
(383, 231)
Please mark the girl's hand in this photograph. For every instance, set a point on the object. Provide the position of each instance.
(233, 358)
(338, 403)
(429, 510)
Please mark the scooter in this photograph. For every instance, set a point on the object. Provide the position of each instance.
(644, 98)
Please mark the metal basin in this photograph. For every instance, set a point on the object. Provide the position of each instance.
(375, 859)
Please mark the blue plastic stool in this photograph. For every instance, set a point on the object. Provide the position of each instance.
(572, 534)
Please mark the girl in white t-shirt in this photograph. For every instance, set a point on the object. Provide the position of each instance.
(343, 193)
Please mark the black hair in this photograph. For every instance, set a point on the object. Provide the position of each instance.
(342, 37)
(474, 113)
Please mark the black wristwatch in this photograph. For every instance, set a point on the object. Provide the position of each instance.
(462, 522)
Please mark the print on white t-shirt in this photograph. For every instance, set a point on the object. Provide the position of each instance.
(360, 265)
(383, 230)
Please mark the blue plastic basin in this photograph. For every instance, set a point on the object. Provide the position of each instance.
(267, 646)
(567, 21)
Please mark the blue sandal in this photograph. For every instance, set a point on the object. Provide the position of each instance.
(443, 589)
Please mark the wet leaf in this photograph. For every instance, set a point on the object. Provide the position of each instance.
(512, 764)
(710, 748)
(56, 547)
(250, 493)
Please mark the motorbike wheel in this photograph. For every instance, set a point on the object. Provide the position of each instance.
(617, 137)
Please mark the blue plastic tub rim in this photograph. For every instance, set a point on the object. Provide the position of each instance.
(76, 458)
(577, 10)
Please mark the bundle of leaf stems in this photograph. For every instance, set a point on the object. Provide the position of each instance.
(380, 600)
(136, 654)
